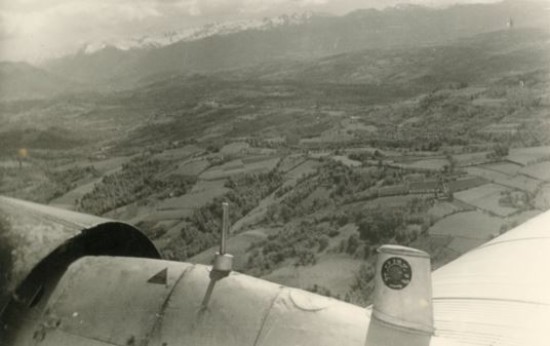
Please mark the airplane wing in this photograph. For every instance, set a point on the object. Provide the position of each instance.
(494, 295)
(499, 293)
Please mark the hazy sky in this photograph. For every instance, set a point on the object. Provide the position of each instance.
(37, 29)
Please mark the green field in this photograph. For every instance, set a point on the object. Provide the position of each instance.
(471, 224)
(192, 167)
(486, 197)
(202, 192)
(508, 168)
(239, 167)
(528, 156)
(540, 171)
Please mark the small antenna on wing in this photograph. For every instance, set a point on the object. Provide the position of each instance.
(224, 261)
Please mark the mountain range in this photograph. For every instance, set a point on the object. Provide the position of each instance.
(289, 40)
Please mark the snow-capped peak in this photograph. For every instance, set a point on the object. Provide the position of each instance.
(90, 48)
(193, 34)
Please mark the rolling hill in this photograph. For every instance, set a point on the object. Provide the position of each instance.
(318, 36)
(24, 81)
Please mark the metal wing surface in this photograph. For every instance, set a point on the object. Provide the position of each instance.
(496, 295)
(499, 293)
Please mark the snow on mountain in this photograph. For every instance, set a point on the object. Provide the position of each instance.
(197, 33)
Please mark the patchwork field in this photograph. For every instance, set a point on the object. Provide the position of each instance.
(522, 217)
(542, 199)
(471, 159)
(519, 181)
(234, 148)
(202, 192)
(501, 129)
(301, 170)
(417, 121)
(528, 156)
(320, 193)
(429, 164)
(237, 245)
(462, 245)
(290, 162)
(256, 215)
(192, 167)
(508, 168)
(179, 154)
(68, 200)
(473, 225)
(239, 167)
(488, 102)
(346, 161)
(443, 209)
(463, 232)
(489, 174)
(334, 135)
(334, 271)
(486, 198)
(522, 182)
(539, 171)
(103, 166)
(356, 125)
(389, 201)
(14, 164)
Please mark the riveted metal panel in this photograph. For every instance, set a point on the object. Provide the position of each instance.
(302, 318)
(59, 338)
(111, 300)
(233, 315)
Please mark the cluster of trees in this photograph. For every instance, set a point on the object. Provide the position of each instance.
(379, 225)
(361, 289)
(58, 183)
(499, 151)
(346, 180)
(517, 199)
(366, 156)
(203, 227)
(66, 180)
(321, 219)
(298, 246)
(135, 181)
(322, 290)
(385, 225)
(291, 205)
(73, 174)
(363, 285)
(301, 242)
(449, 118)
(344, 183)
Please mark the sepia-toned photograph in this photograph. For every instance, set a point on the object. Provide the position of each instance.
(274, 172)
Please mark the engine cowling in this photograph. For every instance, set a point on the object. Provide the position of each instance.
(38, 243)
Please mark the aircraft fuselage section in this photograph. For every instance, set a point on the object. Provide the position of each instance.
(131, 301)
